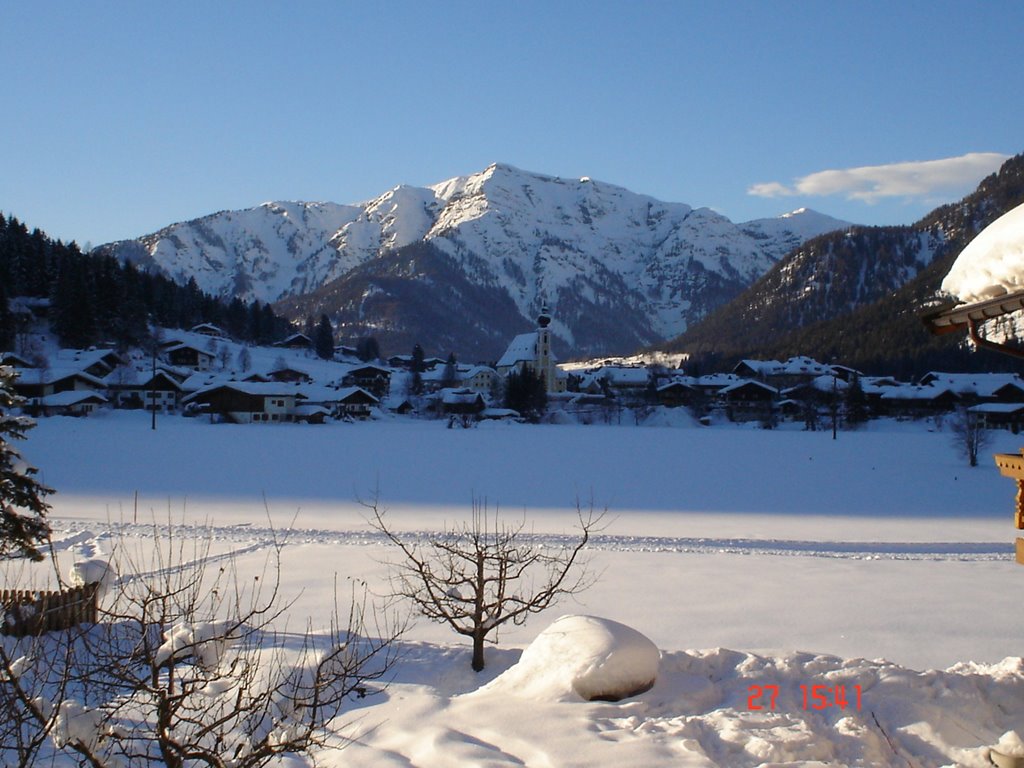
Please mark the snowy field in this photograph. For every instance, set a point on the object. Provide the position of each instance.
(749, 557)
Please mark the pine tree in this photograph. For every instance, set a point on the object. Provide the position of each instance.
(368, 349)
(23, 526)
(6, 320)
(417, 367)
(525, 393)
(856, 402)
(450, 374)
(323, 338)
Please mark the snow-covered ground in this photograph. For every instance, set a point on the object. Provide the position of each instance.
(878, 561)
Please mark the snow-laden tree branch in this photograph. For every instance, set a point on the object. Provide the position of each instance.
(476, 576)
(192, 665)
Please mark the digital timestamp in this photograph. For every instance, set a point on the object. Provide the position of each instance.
(814, 696)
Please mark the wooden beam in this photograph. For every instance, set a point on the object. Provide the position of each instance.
(956, 317)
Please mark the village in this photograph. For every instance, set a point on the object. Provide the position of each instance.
(203, 372)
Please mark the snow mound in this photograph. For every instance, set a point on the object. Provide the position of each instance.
(583, 657)
(992, 264)
(670, 417)
(1010, 744)
(91, 571)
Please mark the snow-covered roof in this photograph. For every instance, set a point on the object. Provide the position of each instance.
(923, 392)
(321, 394)
(187, 345)
(981, 384)
(625, 377)
(992, 264)
(84, 358)
(760, 367)
(72, 397)
(676, 382)
(258, 388)
(794, 366)
(717, 380)
(453, 396)
(747, 383)
(996, 408)
(54, 374)
(522, 349)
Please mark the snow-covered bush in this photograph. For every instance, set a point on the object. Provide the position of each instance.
(187, 668)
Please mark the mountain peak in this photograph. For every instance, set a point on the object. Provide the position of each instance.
(620, 269)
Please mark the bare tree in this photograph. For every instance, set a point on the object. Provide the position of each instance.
(476, 576)
(191, 665)
(969, 435)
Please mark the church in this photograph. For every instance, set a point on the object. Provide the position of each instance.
(533, 350)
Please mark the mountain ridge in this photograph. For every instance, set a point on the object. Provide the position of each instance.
(863, 311)
(579, 245)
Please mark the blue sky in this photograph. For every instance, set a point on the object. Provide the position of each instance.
(123, 117)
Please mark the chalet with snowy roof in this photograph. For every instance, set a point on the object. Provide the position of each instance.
(916, 401)
(373, 378)
(676, 393)
(160, 390)
(625, 380)
(479, 378)
(244, 402)
(713, 383)
(345, 402)
(295, 341)
(96, 362)
(533, 350)
(189, 356)
(1009, 416)
(980, 387)
(33, 383)
(794, 371)
(748, 400)
(14, 360)
(356, 402)
(400, 361)
(208, 329)
(817, 390)
(289, 374)
(588, 383)
(69, 403)
(460, 401)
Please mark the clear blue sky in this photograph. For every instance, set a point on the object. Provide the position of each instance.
(122, 117)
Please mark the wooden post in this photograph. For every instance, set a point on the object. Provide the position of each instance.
(1012, 465)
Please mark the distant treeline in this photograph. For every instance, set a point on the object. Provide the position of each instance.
(99, 300)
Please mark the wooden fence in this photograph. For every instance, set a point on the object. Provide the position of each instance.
(33, 612)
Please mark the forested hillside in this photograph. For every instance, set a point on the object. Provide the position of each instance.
(854, 296)
(98, 299)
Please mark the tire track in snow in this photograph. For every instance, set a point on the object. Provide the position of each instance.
(74, 532)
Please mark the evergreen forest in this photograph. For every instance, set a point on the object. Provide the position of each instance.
(96, 299)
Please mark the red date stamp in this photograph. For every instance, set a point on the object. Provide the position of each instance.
(815, 696)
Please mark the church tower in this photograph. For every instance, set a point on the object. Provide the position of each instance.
(545, 365)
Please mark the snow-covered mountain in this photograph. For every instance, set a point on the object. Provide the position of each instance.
(579, 245)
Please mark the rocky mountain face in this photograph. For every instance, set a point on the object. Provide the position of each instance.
(854, 296)
(479, 255)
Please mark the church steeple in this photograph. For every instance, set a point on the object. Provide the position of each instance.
(544, 318)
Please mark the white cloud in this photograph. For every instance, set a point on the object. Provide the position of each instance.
(871, 183)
